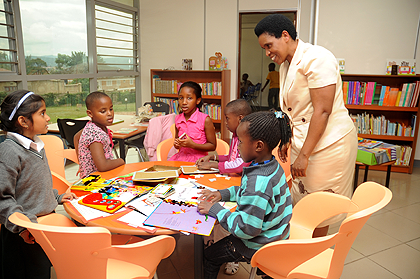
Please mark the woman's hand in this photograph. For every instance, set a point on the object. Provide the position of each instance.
(210, 196)
(299, 166)
(283, 152)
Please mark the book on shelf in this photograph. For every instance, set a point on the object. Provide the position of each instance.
(372, 93)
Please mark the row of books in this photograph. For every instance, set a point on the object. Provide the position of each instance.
(378, 125)
(172, 87)
(173, 103)
(372, 93)
(213, 110)
(384, 152)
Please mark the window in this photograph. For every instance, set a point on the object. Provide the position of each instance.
(54, 36)
(123, 94)
(66, 49)
(116, 39)
(8, 53)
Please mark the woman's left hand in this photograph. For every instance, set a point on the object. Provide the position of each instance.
(299, 166)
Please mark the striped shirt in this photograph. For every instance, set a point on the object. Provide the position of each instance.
(264, 207)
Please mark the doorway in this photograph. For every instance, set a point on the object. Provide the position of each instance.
(251, 57)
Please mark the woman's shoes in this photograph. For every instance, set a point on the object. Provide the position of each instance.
(231, 268)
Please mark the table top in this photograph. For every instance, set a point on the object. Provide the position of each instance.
(383, 164)
(118, 227)
(127, 121)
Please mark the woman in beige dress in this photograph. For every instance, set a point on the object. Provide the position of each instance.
(324, 142)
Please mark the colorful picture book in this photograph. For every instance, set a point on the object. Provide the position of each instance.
(90, 183)
(145, 204)
(181, 218)
(367, 143)
(162, 190)
(115, 195)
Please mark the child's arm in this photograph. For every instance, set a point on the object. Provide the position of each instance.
(235, 166)
(266, 83)
(211, 143)
(101, 163)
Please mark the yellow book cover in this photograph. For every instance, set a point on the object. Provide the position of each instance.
(397, 102)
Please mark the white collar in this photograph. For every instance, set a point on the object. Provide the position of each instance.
(37, 144)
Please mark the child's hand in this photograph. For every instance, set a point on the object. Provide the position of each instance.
(204, 165)
(210, 196)
(27, 236)
(68, 197)
(204, 207)
(186, 141)
(204, 159)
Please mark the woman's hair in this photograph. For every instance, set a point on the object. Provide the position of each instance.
(28, 107)
(274, 25)
(196, 89)
(92, 97)
(271, 127)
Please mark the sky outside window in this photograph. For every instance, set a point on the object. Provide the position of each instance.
(53, 27)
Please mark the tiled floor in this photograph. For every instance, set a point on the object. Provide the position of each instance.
(387, 247)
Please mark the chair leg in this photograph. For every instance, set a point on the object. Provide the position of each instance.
(138, 151)
(253, 273)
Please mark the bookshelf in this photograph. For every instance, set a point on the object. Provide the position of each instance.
(217, 82)
(393, 114)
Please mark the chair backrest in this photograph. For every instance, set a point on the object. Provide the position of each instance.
(52, 146)
(222, 147)
(159, 107)
(285, 166)
(68, 128)
(302, 256)
(86, 252)
(163, 148)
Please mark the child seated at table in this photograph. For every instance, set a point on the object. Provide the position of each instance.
(95, 142)
(231, 163)
(194, 130)
(264, 204)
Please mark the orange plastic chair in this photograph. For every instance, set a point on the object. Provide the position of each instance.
(54, 149)
(87, 252)
(302, 256)
(222, 147)
(163, 148)
(285, 166)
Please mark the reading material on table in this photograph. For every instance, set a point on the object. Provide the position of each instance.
(125, 130)
(136, 219)
(181, 218)
(157, 173)
(195, 170)
(145, 204)
(90, 183)
(112, 197)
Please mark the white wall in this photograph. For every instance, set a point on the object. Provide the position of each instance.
(365, 33)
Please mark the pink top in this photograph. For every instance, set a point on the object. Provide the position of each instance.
(92, 133)
(194, 128)
(232, 163)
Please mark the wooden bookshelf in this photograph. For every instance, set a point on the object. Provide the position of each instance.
(391, 113)
(200, 77)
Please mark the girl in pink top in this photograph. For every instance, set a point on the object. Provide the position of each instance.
(194, 130)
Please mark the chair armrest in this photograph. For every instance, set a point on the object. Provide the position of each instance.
(60, 183)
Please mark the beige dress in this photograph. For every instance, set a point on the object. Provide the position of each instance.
(332, 162)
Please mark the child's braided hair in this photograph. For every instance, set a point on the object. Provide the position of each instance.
(271, 127)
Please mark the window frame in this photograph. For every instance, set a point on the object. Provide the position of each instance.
(22, 78)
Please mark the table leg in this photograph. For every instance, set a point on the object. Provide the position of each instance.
(121, 143)
(198, 256)
(356, 177)
(388, 176)
(366, 173)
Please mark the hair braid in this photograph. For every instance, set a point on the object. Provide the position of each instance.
(265, 126)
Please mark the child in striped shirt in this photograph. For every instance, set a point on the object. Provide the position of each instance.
(264, 206)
